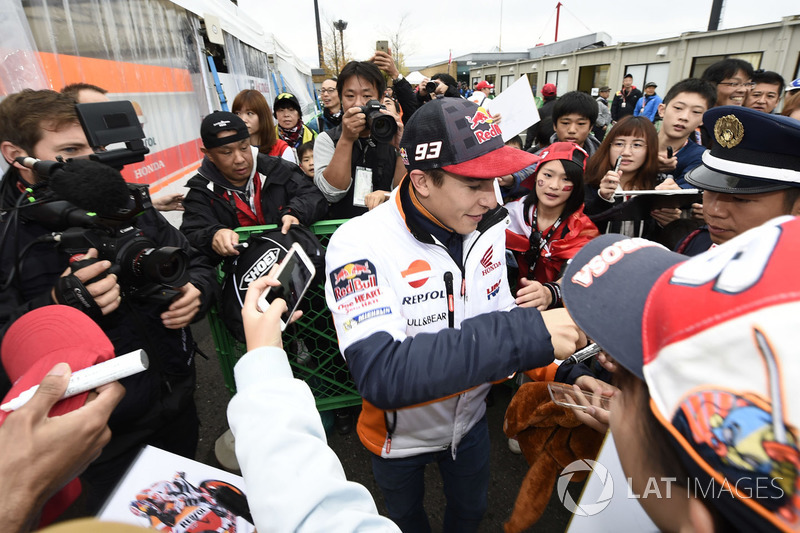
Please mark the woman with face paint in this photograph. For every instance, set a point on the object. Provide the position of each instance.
(548, 227)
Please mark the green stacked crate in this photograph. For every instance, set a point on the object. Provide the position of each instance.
(316, 360)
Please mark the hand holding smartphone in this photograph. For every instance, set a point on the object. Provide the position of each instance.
(294, 274)
(382, 46)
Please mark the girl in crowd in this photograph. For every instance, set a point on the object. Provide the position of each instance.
(251, 106)
(548, 226)
(627, 160)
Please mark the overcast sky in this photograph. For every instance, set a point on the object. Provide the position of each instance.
(467, 26)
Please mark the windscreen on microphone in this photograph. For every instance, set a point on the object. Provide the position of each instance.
(92, 186)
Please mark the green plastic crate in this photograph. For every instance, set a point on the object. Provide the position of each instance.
(325, 372)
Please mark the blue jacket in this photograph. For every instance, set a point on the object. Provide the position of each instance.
(647, 106)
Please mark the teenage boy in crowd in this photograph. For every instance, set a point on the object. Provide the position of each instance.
(682, 113)
(238, 186)
(158, 407)
(352, 170)
(625, 100)
(750, 175)
(766, 93)
(705, 421)
(406, 283)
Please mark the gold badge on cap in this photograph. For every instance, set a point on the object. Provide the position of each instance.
(728, 131)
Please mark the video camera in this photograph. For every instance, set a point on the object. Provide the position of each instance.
(382, 127)
(87, 204)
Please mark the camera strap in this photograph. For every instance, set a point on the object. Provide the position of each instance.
(72, 292)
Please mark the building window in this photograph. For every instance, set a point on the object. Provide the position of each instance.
(655, 72)
(561, 80)
(700, 64)
(592, 77)
(505, 82)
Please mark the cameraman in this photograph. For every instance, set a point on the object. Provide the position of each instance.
(159, 407)
(441, 84)
(346, 158)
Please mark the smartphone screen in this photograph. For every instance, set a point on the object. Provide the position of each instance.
(294, 275)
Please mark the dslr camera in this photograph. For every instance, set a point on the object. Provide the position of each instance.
(382, 127)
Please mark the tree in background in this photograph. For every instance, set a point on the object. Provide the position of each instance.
(332, 51)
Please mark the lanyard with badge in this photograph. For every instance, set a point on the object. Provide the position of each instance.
(362, 183)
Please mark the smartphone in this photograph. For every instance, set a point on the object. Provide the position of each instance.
(618, 163)
(294, 273)
(566, 396)
(382, 46)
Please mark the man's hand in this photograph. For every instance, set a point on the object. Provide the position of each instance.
(665, 215)
(421, 90)
(263, 329)
(39, 455)
(533, 294)
(609, 184)
(106, 292)
(496, 118)
(182, 310)
(668, 185)
(666, 164)
(596, 415)
(375, 198)
(697, 212)
(288, 221)
(385, 62)
(566, 337)
(168, 202)
(224, 241)
(506, 181)
(353, 123)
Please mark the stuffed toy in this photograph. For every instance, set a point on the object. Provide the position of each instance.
(551, 437)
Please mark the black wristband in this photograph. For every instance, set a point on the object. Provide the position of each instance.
(72, 292)
(555, 293)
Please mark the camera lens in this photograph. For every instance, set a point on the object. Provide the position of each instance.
(166, 265)
(430, 87)
(382, 127)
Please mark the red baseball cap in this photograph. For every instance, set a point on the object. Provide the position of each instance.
(561, 151)
(549, 89)
(32, 346)
(483, 84)
(713, 337)
(459, 137)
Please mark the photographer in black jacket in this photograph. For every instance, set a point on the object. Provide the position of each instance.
(237, 186)
(159, 407)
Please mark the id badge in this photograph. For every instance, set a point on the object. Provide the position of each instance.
(362, 186)
(623, 103)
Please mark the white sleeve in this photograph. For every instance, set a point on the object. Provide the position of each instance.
(294, 481)
(323, 153)
(289, 155)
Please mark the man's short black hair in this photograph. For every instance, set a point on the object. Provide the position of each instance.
(769, 77)
(362, 69)
(576, 102)
(726, 68)
(447, 79)
(693, 85)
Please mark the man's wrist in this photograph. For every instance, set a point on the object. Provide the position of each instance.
(397, 78)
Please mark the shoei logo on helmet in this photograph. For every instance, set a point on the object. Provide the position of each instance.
(598, 264)
(593, 467)
(260, 267)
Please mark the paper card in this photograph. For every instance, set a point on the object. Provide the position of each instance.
(517, 107)
(171, 493)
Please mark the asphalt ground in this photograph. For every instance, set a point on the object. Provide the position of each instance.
(507, 469)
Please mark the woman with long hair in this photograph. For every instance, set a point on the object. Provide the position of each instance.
(548, 226)
(251, 106)
(627, 160)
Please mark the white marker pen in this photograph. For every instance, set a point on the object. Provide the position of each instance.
(90, 378)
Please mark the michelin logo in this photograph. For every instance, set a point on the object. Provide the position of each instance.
(350, 323)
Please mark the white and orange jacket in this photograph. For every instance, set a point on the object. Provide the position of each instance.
(388, 284)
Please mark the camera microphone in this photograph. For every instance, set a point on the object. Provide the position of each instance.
(43, 169)
(92, 186)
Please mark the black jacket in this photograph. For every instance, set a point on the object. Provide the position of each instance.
(618, 111)
(285, 190)
(135, 324)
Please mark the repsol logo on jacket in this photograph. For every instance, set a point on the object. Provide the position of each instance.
(424, 297)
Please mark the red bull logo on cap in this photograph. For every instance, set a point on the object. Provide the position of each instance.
(482, 116)
(353, 277)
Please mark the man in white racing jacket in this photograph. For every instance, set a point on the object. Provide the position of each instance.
(414, 286)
